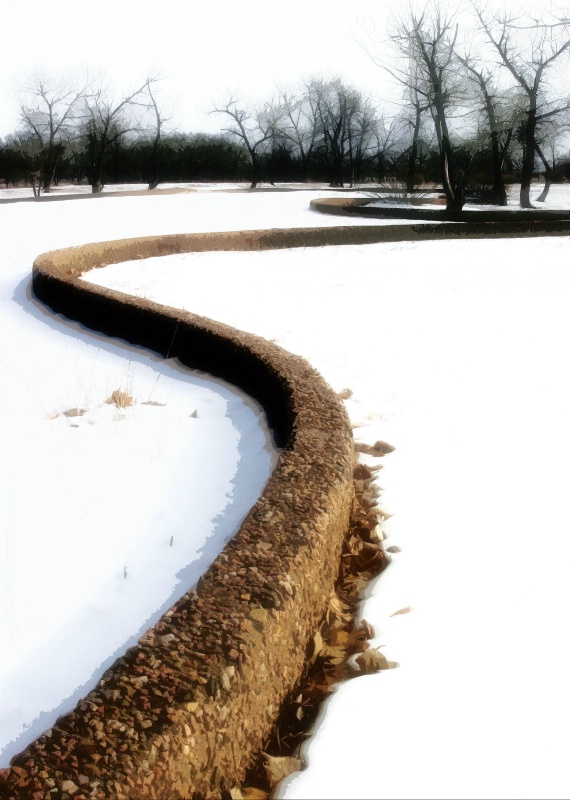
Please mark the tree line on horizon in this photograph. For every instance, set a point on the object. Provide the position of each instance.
(477, 110)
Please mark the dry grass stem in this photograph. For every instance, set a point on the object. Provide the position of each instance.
(120, 398)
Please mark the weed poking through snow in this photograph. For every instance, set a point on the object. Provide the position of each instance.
(120, 398)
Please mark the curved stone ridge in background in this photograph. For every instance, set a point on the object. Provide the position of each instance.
(182, 712)
(510, 218)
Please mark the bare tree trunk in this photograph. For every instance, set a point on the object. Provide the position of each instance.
(255, 169)
(548, 175)
(542, 196)
(451, 180)
(154, 179)
(499, 190)
(413, 159)
(528, 159)
(36, 184)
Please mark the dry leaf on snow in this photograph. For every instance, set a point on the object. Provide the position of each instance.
(377, 449)
(75, 412)
(278, 767)
(372, 661)
(405, 610)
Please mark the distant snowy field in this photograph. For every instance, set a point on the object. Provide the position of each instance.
(456, 354)
(24, 192)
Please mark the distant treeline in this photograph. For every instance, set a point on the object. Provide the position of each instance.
(207, 158)
(476, 111)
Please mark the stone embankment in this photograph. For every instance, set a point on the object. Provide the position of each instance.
(181, 714)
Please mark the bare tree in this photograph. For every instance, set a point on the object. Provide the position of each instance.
(299, 125)
(160, 119)
(417, 105)
(330, 120)
(367, 140)
(529, 49)
(415, 99)
(343, 126)
(336, 107)
(105, 121)
(426, 44)
(500, 121)
(49, 115)
(254, 129)
(556, 127)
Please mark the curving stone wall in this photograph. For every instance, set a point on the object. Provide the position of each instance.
(513, 221)
(181, 714)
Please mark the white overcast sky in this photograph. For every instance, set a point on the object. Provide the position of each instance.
(206, 51)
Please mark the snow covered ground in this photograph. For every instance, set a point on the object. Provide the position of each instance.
(66, 189)
(456, 354)
(107, 514)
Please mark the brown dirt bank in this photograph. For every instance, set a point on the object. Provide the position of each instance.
(182, 713)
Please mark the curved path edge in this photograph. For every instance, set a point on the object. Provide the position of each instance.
(182, 713)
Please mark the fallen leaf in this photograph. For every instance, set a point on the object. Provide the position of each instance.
(253, 793)
(384, 446)
(367, 629)
(278, 767)
(405, 610)
(75, 412)
(336, 655)
(317, 646)
(341, 638)
(338, 609)
(372, 661)
(362, 472)
(356, 583)
(377, 449)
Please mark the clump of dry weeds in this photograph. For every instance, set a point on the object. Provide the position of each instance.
(120, 398)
